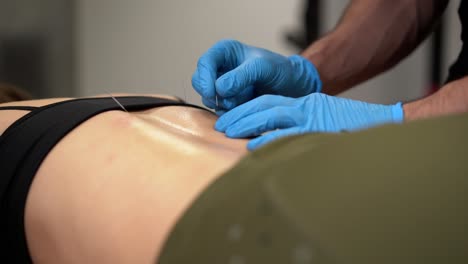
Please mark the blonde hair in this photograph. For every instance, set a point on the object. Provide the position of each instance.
(10, 93)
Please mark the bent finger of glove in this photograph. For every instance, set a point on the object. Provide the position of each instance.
(272, 136)
(222, 55)
(260, 122)
(229, 103)
(256, 105)
(252, 71)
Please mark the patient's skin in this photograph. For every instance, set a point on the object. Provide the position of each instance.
(112, 189)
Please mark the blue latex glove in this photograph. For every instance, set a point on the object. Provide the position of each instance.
(313, 113)
(237, 73)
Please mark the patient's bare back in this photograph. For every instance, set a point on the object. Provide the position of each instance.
(111, 190)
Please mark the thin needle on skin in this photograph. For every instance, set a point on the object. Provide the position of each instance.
(115, 99)
(185, 92)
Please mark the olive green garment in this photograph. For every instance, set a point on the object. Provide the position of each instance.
(392, 194)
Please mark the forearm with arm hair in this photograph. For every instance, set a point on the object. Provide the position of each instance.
(451, 99)
(372, 36)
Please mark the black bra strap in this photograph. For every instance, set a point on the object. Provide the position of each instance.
(25, 108)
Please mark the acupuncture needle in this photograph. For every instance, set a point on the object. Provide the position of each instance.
(115, 99)
(185, 92)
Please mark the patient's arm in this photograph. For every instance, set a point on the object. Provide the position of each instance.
(112, 189)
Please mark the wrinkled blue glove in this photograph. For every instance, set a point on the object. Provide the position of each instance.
(237, 73)
(316, 112)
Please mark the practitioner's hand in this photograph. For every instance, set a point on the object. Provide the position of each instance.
(313, 113)
(237, 73)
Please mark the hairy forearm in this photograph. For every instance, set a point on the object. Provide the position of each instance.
(372, 36)
(451, 99)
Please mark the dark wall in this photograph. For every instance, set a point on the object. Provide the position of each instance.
(36, 46)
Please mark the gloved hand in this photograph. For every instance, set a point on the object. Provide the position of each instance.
(316, 112)
(237, 73)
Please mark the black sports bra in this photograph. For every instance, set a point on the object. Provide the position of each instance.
(25, 144)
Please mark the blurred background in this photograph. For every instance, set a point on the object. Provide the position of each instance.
(56, 48)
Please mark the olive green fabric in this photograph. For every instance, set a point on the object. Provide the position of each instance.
(393, 194)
